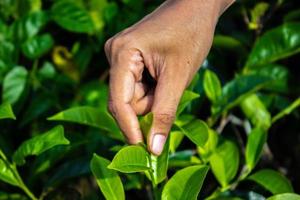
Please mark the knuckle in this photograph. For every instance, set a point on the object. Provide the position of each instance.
(165, 118)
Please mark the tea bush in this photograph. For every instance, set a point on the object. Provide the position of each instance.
(236, 131)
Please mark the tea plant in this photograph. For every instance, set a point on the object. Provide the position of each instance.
(58, 141)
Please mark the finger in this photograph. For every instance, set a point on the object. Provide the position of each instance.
(122, 85)
(166, 99)
(143, 99)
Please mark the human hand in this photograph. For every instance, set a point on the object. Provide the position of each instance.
(171, 43)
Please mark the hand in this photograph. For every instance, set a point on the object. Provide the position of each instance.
(171, 43)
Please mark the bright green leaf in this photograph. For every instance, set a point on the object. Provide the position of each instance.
(196, 131)
(272, 181)
(185, 100)
(212, 86)
(131, 159)
(225, 162)
(185, 184)
(175, 139)
(287, 110)
(275, 44)
(239, 88)
(256, 140)
(6, 111)
(7, 174)
(72, 17)
(14, 84)
(90, 116)
(37, 46)
(256, 111)
(286, 196)
(210, 146)
(108, 180)
(40, 144)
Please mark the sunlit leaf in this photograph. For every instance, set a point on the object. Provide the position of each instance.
(256, 140)
(72, 17)
(224, 162)
(256, 111)
(131, 159)
(108, 180)
(6, 174)
(212, 86)
(14, 84)
(275, 44)
(39, 144)
(37, 46)
(186, 99)
(90, 116)
(286, 196)
(272, 181)
(6, 111)
(287, 110)
(185, 184)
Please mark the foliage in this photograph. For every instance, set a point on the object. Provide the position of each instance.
(57, 137)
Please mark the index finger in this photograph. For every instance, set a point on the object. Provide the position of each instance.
(121, 89)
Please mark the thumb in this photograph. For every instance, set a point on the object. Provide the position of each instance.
(167, 95)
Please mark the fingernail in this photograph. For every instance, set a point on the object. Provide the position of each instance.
(158, 143)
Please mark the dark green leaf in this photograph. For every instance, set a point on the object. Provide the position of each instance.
(272, 181)
(275, 44)
(131, 159)
(239, 88)
(14, 84)
(37, 46)
(72, 17)
(108, 180)
(212, 86)
(256, 140)
(185, 184)
(92, 117)
(225, 162)
(6, 111)
(39, 144)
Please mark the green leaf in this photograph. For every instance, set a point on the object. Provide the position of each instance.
(210, 146)
(92, 117)
(238, 89)
(256, 111)
(212, 86)
(279, 75)
(293, 15)
(131, 159)
(225, 162)
(14, 84)
(6, 111)
(175, 139)
(7, 174)
(185, 184)
(185, 100)
(275, 44)
(286, 196)
(40, 144)
(146, 123)
(256, 140)
(159, 164)
(229, 43)
(287, 110)
(72, 17)
(28, 26)
(37, 46)
(108, 180)
(196, 131)
(256, 14)
(272, 181)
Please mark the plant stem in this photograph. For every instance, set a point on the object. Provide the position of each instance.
(22, 184)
